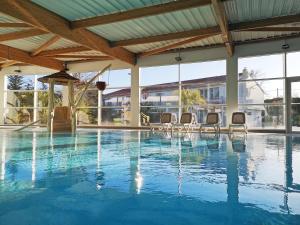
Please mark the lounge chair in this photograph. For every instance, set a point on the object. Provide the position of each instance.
(187, 122)
(238, 120)
(212, 120)
(61, 120)
(166, 121)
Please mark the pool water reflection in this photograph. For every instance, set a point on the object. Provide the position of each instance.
(137, 177)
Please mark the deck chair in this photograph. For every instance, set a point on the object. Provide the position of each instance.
(166, 121)
(187, 122)
(212, 120)
(61, 120)
(238, 120)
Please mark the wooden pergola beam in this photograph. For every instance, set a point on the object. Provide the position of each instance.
(11, 53)
(44, 46)
(174, 45)
(14, 25)
(44, 19)
(139, 12)
(223, 23)
(21, 34)
(63, 51)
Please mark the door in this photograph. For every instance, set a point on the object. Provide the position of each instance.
(293, 105)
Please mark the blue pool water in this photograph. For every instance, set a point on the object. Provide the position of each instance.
(136, 177)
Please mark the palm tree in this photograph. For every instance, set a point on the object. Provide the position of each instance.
(191, 97)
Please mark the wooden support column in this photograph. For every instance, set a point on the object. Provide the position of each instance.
(50, 104)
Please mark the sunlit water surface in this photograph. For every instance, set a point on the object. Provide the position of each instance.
(136, 177)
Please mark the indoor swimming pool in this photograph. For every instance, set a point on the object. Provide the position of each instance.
(138, 177)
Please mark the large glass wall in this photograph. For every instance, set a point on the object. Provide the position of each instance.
(190, 87)
(203, 88)
(159, 91)
(115, 99)
(261, 91)
(87, 113)
(26, 99)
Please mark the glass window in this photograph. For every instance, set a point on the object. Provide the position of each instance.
(18, 115)
(204, 89)
(159, 91)
(200, 70)
(264, 116)
(261, 91)
(159, 75)
(292, 61)
(87, 116)
(261, 67)
(20, 82)
(20, 98)
(117, 78)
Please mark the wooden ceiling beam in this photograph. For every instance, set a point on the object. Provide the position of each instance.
(274, 29)
(13, 25)
(86, 60)
(21, 34)
(63, 51)
(37, 16)
(174, 45)
(100, 57)
(259, 25)
(265, 23)
(9, 63)
(169, 36)
(139, 12)
(10, 53)
(223, 23)
(44, 46)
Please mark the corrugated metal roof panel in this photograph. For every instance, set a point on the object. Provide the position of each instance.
(205, 42)
(62, 43)
(147, 47)
(28, 44)
(89, 53)
(81, 9)
(11, 30)
(184, 20)
(8, 19)
(249, 10)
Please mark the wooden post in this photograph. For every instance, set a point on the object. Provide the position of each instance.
(50, 104)
(72, 105)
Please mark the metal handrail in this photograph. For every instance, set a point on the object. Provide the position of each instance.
(28, 125)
